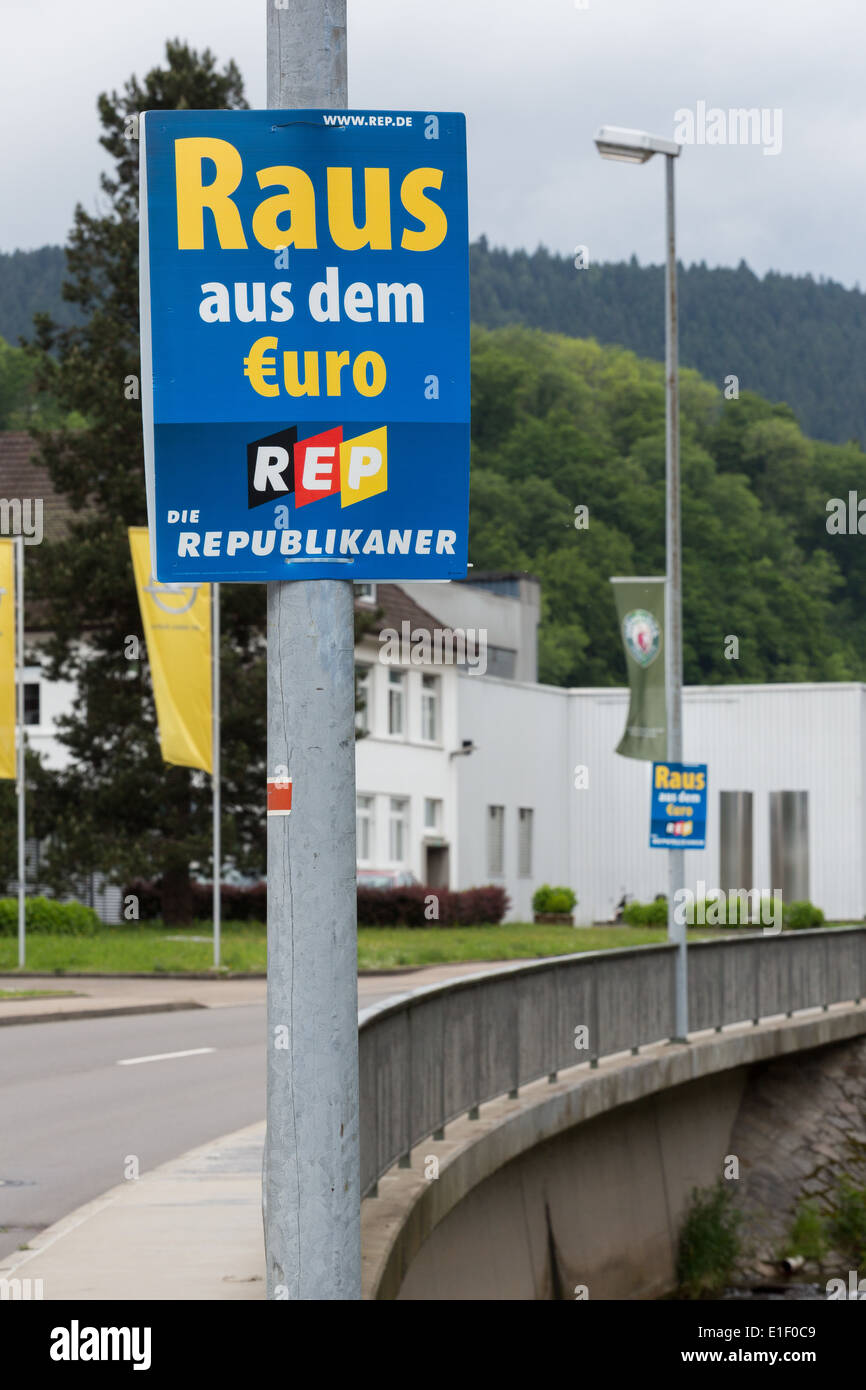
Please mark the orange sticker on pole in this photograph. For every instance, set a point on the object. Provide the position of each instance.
(279, 796)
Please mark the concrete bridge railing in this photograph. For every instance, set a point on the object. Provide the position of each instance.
(428, 1057)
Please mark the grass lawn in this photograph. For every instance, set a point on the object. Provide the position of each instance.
(132, 948)
(156, 948)
(384, 948)
(36, 993)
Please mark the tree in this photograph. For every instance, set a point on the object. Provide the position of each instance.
(560, 423)
(117, 807)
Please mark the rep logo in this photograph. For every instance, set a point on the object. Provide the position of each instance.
(322, 466)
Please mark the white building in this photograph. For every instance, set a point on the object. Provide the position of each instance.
(468, 774)
(468, 779)
(523, 821)
(407, 762)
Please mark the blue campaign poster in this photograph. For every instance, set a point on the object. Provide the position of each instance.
(678, 806)
(305, 344)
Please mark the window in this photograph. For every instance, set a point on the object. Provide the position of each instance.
(364, 828)
(365, 593)
(398, 830)
(430, 708)
(496, 841)
(396, 703)
(524, 842)
(432, 813)
(32, 704)
(364, 683)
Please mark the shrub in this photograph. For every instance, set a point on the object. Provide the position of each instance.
(709, 1243)
(808, 1232)
(48, 916)
(547, 899)
(848, 1221)
(407, 907)
(799, 916)
(653, 914)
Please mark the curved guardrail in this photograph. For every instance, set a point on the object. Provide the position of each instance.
(441, 1051)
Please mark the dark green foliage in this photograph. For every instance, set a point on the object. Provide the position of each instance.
(789, 338)
(21, 403)
(709, 1242)
(31, 282)
(117, 806)
(560, 423)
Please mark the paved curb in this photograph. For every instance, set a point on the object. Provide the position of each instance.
(111, 1011)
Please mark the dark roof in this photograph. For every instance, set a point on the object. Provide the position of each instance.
(21, 477)
(488, 576)
(396, 608)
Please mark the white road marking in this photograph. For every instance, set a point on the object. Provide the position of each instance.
(164, 1056)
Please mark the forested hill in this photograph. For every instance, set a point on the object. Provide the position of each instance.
(789, 338)
(560, 424)
(30, 283)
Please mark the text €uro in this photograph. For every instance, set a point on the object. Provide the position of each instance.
(393, 303)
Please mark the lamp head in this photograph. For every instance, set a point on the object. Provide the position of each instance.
(632, 146)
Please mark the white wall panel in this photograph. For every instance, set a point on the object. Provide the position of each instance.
(753, 738)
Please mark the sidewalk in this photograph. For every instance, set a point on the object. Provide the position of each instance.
(101, 996)
(190, 1229)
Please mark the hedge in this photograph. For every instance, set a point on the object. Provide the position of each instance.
(49, 916)
(238, 904)
(413, 906)
(377, 907)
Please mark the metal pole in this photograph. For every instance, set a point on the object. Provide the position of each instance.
(215, 773)
(312, 1168)
(673, 590)
(19, 641)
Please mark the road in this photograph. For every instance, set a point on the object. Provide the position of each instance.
(72, 1118)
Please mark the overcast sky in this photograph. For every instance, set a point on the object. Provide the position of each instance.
(535, 78)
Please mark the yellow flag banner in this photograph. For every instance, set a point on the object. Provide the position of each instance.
(7, 659)
(177, 627)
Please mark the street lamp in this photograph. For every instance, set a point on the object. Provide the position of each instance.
(636, 147)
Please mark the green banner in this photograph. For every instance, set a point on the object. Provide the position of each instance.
(640, 606)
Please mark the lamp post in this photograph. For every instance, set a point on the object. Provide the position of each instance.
(636, 147)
